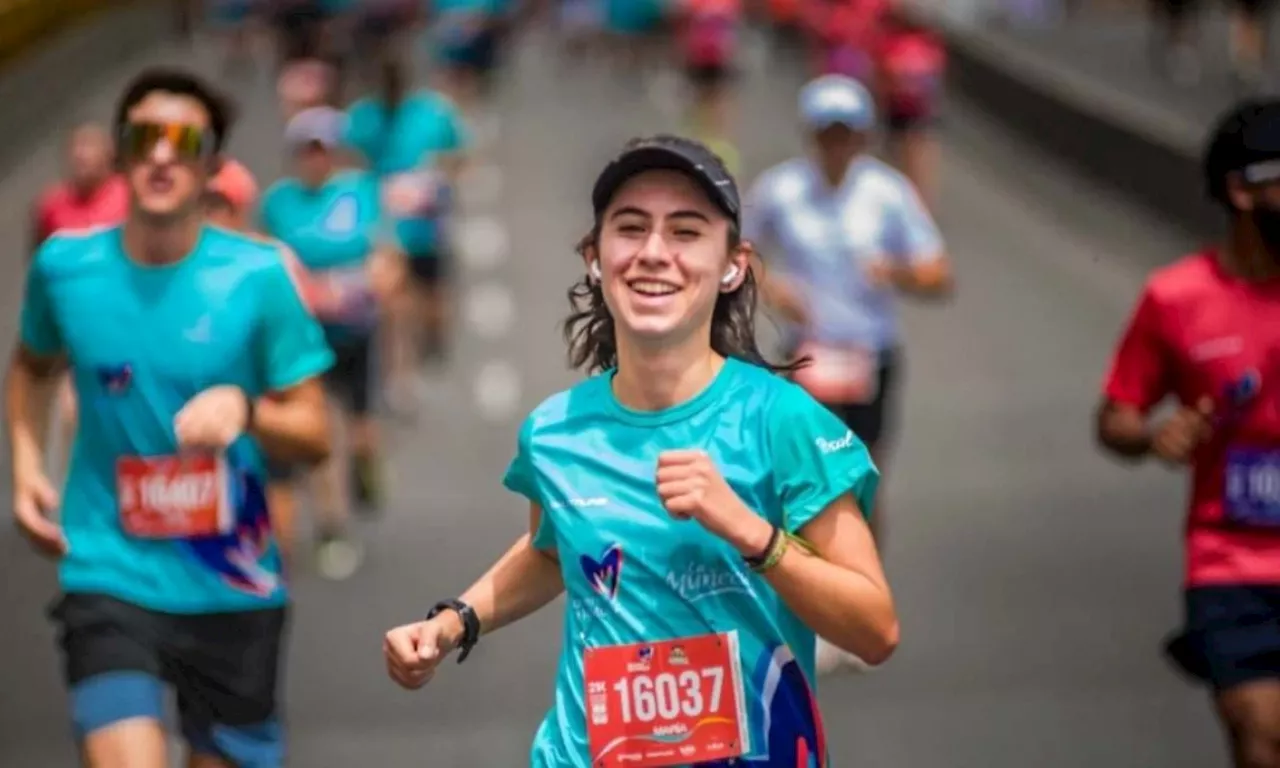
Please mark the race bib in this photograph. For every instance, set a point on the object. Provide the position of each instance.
(1252, 488)
(840, 376)
(674, 702)
(174, 497)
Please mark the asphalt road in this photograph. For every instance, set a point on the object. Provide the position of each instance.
(1035, 579)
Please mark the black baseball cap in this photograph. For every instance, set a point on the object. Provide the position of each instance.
(1245, 141)
(670, 153)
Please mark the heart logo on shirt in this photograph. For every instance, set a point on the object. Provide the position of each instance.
(605, 573)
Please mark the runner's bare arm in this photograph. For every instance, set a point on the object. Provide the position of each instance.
(1123, 430)
(293, 424)
(927, 278)
(779, 294)
(840, 590)
(29, 390)
(522, 582)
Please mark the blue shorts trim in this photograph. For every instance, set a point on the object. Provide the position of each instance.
(251, 746)
(113, 697)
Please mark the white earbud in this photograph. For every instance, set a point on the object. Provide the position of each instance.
(594, 269)
(730, 276)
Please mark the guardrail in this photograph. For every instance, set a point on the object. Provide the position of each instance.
(26, 23)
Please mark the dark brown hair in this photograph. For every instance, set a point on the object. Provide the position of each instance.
(589, 329)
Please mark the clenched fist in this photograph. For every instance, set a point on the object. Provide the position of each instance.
(413, 652)
(692, 488)
(1182, 433)
(213, 419)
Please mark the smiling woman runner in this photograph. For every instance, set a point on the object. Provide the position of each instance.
(704, 515)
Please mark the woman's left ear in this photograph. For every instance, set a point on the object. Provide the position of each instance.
(736, 272)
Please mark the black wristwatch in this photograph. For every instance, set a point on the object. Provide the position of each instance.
(470, 624)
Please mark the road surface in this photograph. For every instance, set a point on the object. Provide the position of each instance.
(1035, 579)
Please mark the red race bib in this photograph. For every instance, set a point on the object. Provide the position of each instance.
(839, 376)
(666, 703)
(174, 497)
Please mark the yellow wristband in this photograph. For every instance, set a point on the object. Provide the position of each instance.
(775, 554)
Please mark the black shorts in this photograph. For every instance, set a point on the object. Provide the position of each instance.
(1231, 636)
(709, 75)
(873, 422)
(430, 270)
(225, 667)
(351, 377)
(899, 122)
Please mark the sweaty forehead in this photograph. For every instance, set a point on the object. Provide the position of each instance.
(161, 107)
(660, 193)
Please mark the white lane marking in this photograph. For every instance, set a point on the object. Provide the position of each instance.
(481, 186)
(482, 242)
(497, 390)
(489, 310)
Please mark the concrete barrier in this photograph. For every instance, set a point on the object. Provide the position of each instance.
(40, 80)
(1084, 124)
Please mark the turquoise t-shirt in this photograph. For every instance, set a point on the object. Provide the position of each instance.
(633, 574)
(424, 126)
(634, 16)
(333, 230)
(142, 342)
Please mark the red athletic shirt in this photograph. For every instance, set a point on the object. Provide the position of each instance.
(1200, 332)
(63, 207)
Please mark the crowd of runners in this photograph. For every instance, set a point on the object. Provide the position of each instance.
(194, 342)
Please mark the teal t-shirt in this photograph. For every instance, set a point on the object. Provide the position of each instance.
(410, 137)
(142, 342)
(333, 229)
(633, 574)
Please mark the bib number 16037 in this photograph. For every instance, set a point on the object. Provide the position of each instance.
(665, 703)
(667, 696)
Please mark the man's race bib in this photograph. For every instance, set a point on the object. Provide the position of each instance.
(174, 497)
(349, 297)
(674, 702)
(1252, 487)
(838, 375)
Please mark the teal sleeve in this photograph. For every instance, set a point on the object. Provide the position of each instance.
(359, 134)
(293, 344)
(457, 137)
(39, 325)
(816, 459)
(268, 220)
(521, 478)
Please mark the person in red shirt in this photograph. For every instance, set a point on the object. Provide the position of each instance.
(1206, 333)
(91, 195)
(910, 61)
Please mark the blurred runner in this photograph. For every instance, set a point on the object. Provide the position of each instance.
(234, 20)
(309, 73)
(414, 142)
(739, 543)
(382, 31)
(710, 38)
(843, 36)
(851, 234)
(332, 220)
(91, 195)
(466, 35)
(168, 569)
(581, 23)
(910, 65)
(235, 184)
(635, 29)
(1206, 333)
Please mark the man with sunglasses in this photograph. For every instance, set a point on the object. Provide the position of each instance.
(1206, 334)
(193, 354)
